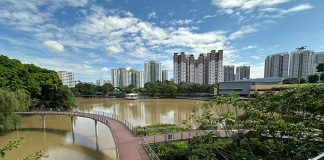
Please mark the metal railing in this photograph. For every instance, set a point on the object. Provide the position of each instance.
(149, 150)
(168, 137)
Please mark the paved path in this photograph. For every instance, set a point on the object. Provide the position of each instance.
(129, 147)
(186, 135)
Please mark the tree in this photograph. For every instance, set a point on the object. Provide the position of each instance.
(63, 99)
(167, 88)
(129, 89)
(151, 88)
(322, 77)
(86, 88)
(11, 102)
(320, 67)
(313, 78)
(106, 88)
(40, 83)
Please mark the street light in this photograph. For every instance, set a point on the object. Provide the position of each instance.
(299, 49)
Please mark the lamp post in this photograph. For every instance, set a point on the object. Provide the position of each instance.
(299, 49)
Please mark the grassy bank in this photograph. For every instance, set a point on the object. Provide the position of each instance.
(158, 129)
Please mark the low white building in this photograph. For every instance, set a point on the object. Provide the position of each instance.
(67, 78)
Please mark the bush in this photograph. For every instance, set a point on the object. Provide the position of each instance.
(313, 78)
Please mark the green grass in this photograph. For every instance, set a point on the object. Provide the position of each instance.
(158, 129)
(296, 85)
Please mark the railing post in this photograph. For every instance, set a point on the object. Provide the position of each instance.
(189, 135)
(154, 139)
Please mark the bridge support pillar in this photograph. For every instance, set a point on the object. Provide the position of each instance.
(72, 123)
(97, 143)
(43, 122)
(96, 128)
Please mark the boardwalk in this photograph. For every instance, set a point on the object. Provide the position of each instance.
(128, 146)
(186, 135)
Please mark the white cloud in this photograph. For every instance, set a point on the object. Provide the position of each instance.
(151, 15)
(249, 10)
(114, 49)
(209, 16)
(243, 31)
(250, 47)
(298, 8)
(246, 4)
(181, 22)
(53, 46)
(105, 69)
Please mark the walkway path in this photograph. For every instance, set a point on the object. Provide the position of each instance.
(186, 135)
(128, 146)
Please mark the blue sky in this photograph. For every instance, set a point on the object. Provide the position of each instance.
(89, 37)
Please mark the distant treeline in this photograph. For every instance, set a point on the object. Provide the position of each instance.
(165, 88)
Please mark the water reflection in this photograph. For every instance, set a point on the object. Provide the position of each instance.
(144, 112)
(59, 141)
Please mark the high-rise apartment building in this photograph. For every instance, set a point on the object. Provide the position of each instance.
(319, 57)
(179, 68)
(214, 67)
(200, 71)
(277, 65)
(229, 73)
(165, 75)
(242, 72)
(67, 78)
(121, 77)
(207, 69)
(139, 79)
(301, 63)
(101, 82)
(152, 72)
(190, 73)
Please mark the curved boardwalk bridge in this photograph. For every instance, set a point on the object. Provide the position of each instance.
(128, 146)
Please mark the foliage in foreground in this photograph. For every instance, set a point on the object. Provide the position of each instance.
(276, 125)
(15, 144)
(158, 129)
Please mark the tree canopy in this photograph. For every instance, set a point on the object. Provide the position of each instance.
(320, 67)
(169, 88)
(41, 84)
(312, 78)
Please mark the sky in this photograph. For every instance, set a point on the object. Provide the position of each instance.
(90, 37)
